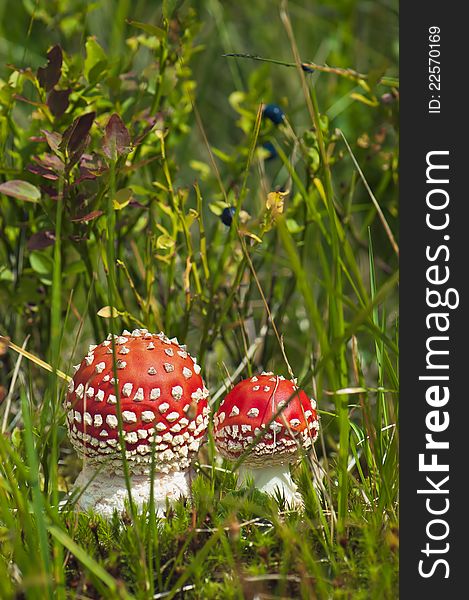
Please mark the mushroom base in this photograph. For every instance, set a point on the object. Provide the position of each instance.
(275, 481)
(106, 492)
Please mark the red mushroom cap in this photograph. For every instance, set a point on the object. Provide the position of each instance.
(250, 408)
(163, 403)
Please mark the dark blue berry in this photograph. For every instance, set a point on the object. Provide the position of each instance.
(274, 113)
(227, 215)
(271, 150)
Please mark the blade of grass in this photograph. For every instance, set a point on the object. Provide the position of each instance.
(95, 569)
(37, 498)
(382, 218)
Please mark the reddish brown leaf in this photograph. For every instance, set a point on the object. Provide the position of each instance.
(137, 204)
(93, 163)
(50, 161)
(76, 138)
(43, 172)
(94, 214)
(116, 138)
(57, 101)
(48, 76)
(85, 175)
(41, 239)
(78, 239)
(76, 134)
(52, 192)
(53, 139)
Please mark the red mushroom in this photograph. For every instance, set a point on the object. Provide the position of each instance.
(164, 413)
(275, 420)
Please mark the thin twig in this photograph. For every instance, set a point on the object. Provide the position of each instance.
(271, 318)
(249, 354)
(372, 196)
(186, 588)
(41, 363)
(309, 66)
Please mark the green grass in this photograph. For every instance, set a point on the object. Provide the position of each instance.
(308, 287)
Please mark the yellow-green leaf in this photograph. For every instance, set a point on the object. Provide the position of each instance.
(21, 190)
(164, 242)
(122, 198)
(318, 183)
(95, 61)
(364, 100)
(275, 202)
(252, 236)
(108, 311)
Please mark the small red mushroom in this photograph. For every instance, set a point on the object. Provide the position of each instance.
(164, 415)
(271, 418)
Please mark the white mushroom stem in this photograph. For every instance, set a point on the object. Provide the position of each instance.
(106, 492)
(273, 480)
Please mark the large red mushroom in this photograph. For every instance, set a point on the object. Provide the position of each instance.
(163, 413)
(270, 421)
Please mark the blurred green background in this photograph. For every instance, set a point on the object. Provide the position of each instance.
(362, 35)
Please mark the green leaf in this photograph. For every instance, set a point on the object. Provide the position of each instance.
(95, 61)
(148, 28)
(190, 218)
(168, 8)
(200, 167)
(21, 190)
(293, 226)
(74, 268)
(217, 207)
(122, 198)
(221, 155)
(41, 263)
(6, 274)
(236, 99)
(139, 190)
